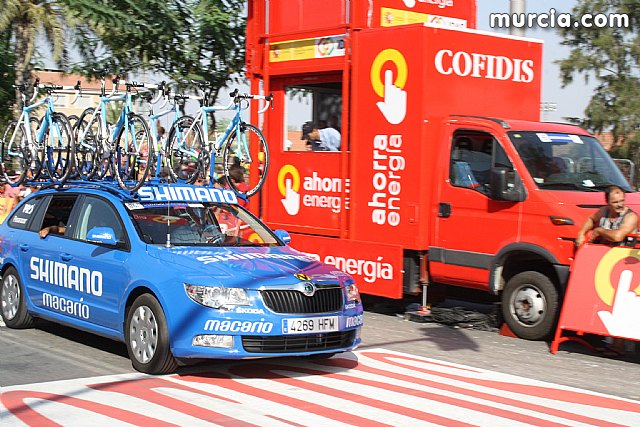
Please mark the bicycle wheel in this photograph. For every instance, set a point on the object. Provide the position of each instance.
(15, 158)
(86, 132)
(59, 148)
(246, 160)
(134, 154)
(185, 151)
(35, 152)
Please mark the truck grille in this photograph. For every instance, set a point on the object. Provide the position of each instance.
(295, 302)
(298, 343)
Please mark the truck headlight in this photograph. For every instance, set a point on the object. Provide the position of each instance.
(353, 294)
(217, 296)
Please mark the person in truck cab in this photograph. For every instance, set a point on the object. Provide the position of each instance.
(611, 223)
(326, 139)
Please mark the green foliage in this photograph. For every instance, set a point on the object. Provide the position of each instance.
(611, 56)
(182, 39)
(7, 77)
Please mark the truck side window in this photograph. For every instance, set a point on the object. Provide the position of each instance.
(313, 117)
(473, 154)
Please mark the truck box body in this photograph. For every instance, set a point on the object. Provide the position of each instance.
(440, 72)
(445, 174)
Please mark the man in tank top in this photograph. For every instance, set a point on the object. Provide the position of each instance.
(611, 223)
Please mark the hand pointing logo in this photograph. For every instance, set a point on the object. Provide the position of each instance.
(394, 106)
(291, 201)
(624, 318)
(394, 99)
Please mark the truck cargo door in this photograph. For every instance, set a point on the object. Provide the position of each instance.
(470, 226)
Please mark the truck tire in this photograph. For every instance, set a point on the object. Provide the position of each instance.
(14, 308)
(530, 305)
(147, 337)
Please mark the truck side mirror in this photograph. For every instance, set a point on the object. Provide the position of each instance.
(501, 189)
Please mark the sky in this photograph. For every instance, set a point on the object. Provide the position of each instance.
(571, 100)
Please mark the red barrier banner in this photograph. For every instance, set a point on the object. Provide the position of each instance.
(603, 294)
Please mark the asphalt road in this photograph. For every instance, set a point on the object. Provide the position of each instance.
(50, 352)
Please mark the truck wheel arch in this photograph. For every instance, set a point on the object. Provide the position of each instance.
(518, 257)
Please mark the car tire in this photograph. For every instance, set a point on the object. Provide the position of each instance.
(147, 337)
(530, 305)
(14, 308)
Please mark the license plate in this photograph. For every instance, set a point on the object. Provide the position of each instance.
(310, 325)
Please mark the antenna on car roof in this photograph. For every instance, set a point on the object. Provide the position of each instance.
(168, 244)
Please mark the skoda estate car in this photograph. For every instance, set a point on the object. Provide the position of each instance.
(176, 272)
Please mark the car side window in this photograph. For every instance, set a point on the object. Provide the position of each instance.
(58, 213)
(96, 212)
(23, 215)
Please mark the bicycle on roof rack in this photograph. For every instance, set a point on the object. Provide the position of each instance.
(160, 164)
(123, 149)
(30, 146)
(241, 149)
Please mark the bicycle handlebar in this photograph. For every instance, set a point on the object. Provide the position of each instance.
(267, 98)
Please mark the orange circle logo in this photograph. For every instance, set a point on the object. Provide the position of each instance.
(603, 283)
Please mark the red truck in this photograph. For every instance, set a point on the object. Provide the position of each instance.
(445, 175)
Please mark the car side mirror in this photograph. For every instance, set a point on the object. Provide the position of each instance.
(284, 236)
(502, 189)
(102, 236)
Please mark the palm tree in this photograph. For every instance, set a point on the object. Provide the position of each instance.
(26, 20)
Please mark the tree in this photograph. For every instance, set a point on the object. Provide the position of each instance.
(611, 56)
(7, 95)
(179, 38)
(24, 20)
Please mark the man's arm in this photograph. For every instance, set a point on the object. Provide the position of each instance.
(629, 225)
(588, 225)
(59, 229)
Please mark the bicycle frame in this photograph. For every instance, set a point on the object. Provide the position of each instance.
(153, 120)
(44, 127)
(234, 124)
(123, 119)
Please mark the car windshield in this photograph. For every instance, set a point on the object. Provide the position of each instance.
(560, 161)
(199, 224)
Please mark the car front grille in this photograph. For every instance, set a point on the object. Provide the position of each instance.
(295, 302)
(298, 343)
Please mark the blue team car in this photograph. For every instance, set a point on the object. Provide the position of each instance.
(176, 272)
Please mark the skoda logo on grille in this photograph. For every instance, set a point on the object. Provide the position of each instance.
(309, 289)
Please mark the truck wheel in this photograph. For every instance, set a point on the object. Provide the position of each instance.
(147, 337)
(530, 305)
(14, 308)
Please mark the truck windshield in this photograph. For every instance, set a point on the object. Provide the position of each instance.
(560, 161)
(199, 224)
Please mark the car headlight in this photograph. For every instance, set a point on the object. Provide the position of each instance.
(217, 296)
(353, 294)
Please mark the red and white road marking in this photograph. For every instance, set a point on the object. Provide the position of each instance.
(364, 388)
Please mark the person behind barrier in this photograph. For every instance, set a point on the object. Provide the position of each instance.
(326, 139)
(611, 223)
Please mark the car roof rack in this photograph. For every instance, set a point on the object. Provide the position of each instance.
(110, 186)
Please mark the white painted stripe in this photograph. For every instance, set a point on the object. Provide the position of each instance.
(287, 391)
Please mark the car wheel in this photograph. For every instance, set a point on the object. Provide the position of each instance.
(14, 308)
(530, 305)
(147, 337)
